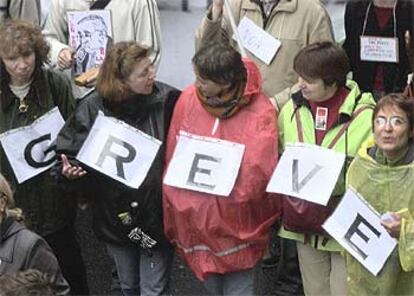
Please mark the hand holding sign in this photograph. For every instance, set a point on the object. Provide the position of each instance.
(392, 224)
(70, 171)
(358, 228)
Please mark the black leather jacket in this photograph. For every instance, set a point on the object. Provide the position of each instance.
(148, 113)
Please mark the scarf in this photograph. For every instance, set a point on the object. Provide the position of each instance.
(226, 105)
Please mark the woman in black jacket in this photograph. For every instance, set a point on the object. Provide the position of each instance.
(379, 18)
(126, 89)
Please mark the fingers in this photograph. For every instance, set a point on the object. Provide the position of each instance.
(65, 58)
(70, 171)
(65, 160)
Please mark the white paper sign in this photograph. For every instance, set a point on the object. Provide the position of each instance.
(204, 164)
(379, 49)
(90, 34)
(308, 172)
(119, 151)
(29, 149)
(260, 43)
(356, 226)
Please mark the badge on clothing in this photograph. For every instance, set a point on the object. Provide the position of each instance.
(379, 49)
(321, 118)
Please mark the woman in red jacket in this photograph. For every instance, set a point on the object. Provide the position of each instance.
(222, 238)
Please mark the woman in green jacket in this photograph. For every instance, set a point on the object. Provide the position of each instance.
(383, 174)
(327, 111)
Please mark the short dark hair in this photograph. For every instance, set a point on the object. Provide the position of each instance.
(400, 101)
(323, 60)
(30, 282)
(117, 66)
(220, 63)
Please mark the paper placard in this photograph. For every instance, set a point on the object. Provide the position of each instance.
(379, 49)
(119, 150)
(260, 43)
(90, 34)
(307, 172)
(356, 226)
(30, 149)
(204, 164)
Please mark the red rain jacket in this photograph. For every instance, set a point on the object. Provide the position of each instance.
(225, 234)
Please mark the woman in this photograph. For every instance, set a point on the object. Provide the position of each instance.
(331, 112)
(223, 238)
(29, 91)
(382, 173)
(126, 89)
(379, 18)
(21, 249)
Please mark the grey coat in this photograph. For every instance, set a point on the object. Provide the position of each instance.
(21, 249)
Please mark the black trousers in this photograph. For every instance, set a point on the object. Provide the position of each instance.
(68, 253)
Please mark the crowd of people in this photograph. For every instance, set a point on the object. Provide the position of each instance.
(203, 192)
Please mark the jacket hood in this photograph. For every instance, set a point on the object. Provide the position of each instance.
(8, 228)
(254, 79)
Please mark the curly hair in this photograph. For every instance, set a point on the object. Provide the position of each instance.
(21, 38)
(119, 63)
(29, 282)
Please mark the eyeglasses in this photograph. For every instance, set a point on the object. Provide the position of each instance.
(395, 121)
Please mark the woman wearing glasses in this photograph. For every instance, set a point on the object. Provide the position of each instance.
(382, 173)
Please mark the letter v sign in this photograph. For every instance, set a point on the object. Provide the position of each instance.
(297, 186)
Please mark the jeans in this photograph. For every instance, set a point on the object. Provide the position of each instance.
(141, 273)
(232, 283)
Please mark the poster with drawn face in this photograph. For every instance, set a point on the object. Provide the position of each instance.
(90, 35)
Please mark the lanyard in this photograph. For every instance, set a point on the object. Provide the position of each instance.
(393, 14)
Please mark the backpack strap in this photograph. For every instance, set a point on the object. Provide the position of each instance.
(99, 4)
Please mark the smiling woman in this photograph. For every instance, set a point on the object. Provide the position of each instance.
(126, 89)
(382, 173)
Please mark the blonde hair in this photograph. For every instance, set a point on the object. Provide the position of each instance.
(7, 193)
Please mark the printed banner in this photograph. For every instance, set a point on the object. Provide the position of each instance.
(204, 164)
(307, 172)
(30, 149)
(119, 151)
(356, 226)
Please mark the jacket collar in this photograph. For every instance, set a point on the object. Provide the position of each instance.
(37, 93)
(347, 107)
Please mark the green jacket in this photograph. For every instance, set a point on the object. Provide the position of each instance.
(387, 188)
(45, 206)
(350, 141)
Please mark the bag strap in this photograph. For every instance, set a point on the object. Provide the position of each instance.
(345, 126)
(99, 4)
